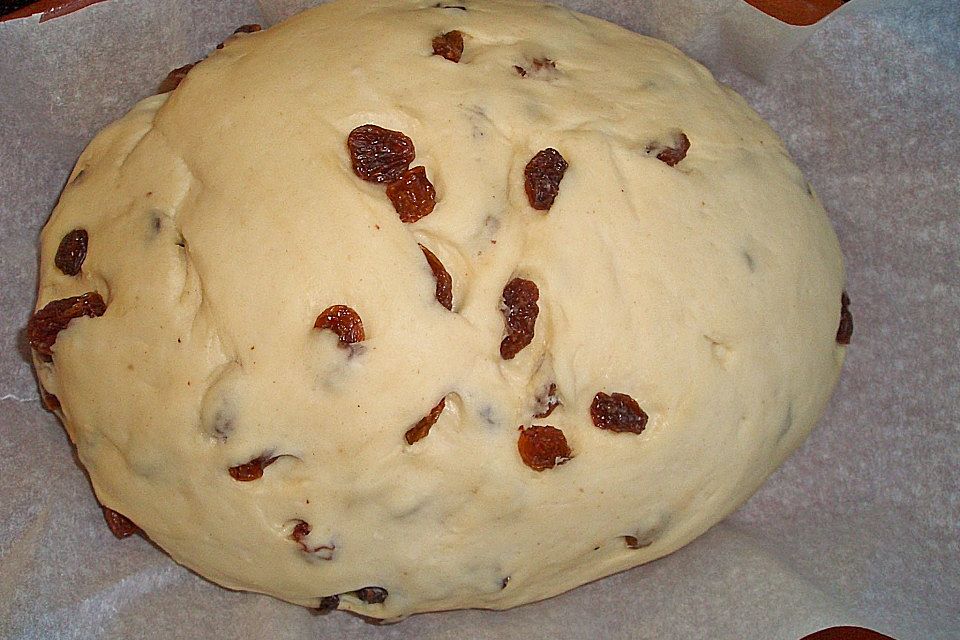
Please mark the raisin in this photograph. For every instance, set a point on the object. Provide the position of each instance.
(343, 321)
(252, 470)
(646, 538)
(520, 312)
(327, 604)
(633, 543)
(50, 401)
(378, 154)
(120, 525)
(617, 412)
(300, 531)
(444, 290)
(413, 196)
(672, 155)
(543, 447)
(422, 428)
(549, 401)
(542, 177)
(539, 64)
(449, 46)
(71, 252)
(174, 78)
(46, 323)
(245, 28)
(845, 330)
(371, 595)
(299, 534)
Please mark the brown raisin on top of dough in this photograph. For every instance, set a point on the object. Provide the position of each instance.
(672, 155)
(50, 401)
(543, 447)
(120, 525)
(72, 252)
(343, 321)
(299, 535)
(542, 177)
(633, 542)
(420, 430)
(244, 28)
(537, 65)
(520, 310)
(174, 78)
(252, 470)
(444, 290)
(371, 595)
(548, 401)
(378, 154)
(617, 412)
(412, 195)
(845, 330)
(326, 605)
(46, 323)
(449, 45)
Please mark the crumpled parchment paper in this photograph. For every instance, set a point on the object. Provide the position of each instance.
(861, 526)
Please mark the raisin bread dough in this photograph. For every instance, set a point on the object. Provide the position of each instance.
(225, 216)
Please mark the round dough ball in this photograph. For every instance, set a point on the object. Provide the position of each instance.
(269, 453)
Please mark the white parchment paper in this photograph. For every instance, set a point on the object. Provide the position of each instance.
(861, 526)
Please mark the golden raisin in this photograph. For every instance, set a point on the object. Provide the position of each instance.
(120, 525)
(845, 330)
(617, 412)
(543, 447)
(449, 46)
(672, 155)
(378, 154)
(71, 252)
(252, 470)
(542, 177)
(520, 312)
(46, 323)
(422, 428)
(444, 291)
(343, 321)
(412, 195)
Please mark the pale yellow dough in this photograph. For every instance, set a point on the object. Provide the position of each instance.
(708, 291)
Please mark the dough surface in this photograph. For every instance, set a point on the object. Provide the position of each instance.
(224, 217)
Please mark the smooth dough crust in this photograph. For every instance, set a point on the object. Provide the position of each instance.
(224, 217)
